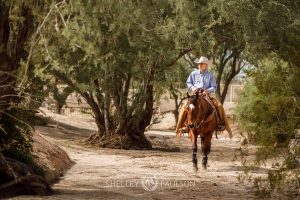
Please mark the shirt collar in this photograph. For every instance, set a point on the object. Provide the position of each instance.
(205, 72)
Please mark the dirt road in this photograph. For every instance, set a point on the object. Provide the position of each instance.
(163, 173)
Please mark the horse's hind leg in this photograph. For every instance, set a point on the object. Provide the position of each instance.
(204, 162)
(194, 154)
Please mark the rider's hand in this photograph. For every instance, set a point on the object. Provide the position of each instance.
(197, 90)
(205, 92)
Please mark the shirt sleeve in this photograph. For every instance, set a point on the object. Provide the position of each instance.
(190, 83)
(212, 85)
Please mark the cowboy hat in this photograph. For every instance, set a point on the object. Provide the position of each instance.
(202, 59)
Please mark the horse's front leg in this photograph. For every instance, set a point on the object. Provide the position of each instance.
(204, 159)
(194, 136)
(205, 146)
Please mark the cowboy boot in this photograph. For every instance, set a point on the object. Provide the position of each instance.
(218, 106)
(184, 129)
(220, 124)
(180, 127)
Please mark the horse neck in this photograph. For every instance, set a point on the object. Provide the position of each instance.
(205, 108)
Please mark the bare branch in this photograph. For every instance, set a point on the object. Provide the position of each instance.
(16, 119)
(188, 59)
(35, 38)
(46, 48)
(182, 53)
(61, 16)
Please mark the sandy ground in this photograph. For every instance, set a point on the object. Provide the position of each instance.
(162, 173)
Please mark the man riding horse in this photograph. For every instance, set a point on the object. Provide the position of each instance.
(203, 80)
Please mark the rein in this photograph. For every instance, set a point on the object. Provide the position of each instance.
(198, 125)
(204, 121)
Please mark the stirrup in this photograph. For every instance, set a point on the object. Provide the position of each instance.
(183, 130)
(221, 127)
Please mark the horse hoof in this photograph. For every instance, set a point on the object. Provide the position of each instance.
(195, 167)
(204, 165)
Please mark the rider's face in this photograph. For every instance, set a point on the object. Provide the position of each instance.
(202, 67)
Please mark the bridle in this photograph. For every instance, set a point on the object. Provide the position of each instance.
(196, 125)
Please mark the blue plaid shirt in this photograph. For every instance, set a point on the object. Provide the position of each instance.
(203, 80)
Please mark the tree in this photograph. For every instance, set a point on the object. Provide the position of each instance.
(270, 89)
(111, 55)
(17, 22)
(51, 86)
(173, 83)
(268, 114)
(217, 35)
(11, 47)
(60, 97)
(269, 27)
(272, 35)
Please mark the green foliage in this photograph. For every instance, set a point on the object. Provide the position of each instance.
(120, 56)
(268, 112)
(283, 181)
(269, 27)
(19, 102)
(218, 35)
(173, 81)
(268, 108)
(16, 136)
(15, 133)
(112, 55)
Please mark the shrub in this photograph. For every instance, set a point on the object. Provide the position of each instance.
(268, 113)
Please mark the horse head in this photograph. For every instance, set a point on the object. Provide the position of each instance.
(193, 106)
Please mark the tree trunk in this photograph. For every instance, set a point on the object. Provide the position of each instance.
(149, 102)
(16, 177)
(225, 90)
(106, 114)
(58, 107)
(96, 110)
(234, 70)
(132, 128)
(11, 47)
(220, 74)
(60, 97)
(218, 82)
(175, 112)
(236, 67)
(175, 96)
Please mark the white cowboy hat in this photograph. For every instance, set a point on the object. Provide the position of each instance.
(202, 59)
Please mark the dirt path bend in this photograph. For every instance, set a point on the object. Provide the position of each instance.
(164, 173)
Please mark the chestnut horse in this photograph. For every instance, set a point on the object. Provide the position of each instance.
(201, 120)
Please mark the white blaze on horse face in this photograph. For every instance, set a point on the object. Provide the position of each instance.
(191, 106)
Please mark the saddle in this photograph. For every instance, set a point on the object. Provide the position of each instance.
(220, 126)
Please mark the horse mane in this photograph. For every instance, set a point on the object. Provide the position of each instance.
(204, 105)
